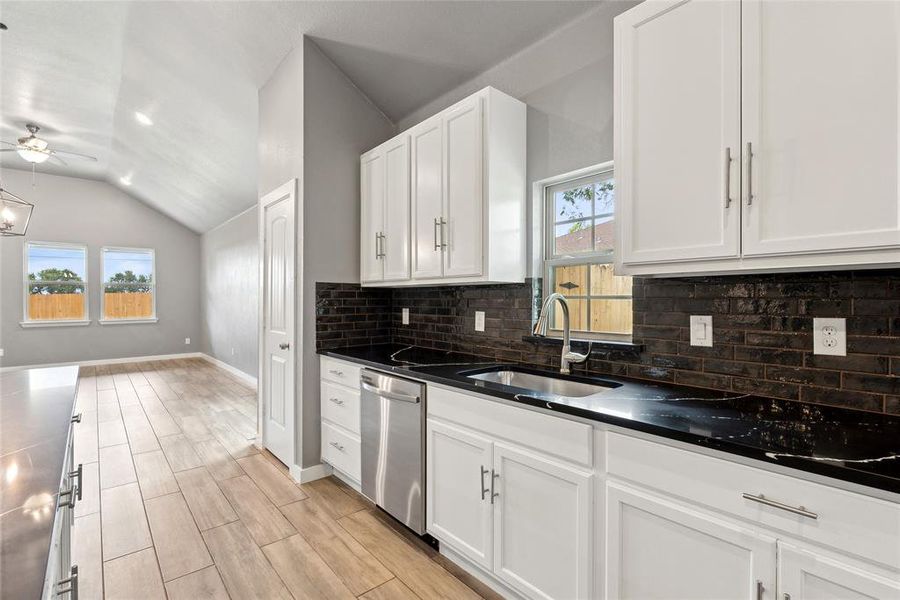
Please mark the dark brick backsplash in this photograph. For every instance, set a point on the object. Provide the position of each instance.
(762, 331)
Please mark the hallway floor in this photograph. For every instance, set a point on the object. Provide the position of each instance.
(178, 502)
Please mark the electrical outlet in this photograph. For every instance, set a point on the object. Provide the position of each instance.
(830, 337)
(187, 341)
(1, 352)
(232, 351)
(406, 316)
(701, 330)
(479, 320)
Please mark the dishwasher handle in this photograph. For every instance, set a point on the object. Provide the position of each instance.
(389, 395)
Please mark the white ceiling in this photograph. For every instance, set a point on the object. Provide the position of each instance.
(80, 70)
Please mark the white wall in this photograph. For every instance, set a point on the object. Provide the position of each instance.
(229, 292)
(94, 213)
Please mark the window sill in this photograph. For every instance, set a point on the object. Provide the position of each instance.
(127, 321)
(599, 348)
(78, 323)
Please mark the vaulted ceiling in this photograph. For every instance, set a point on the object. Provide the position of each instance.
(81, 70)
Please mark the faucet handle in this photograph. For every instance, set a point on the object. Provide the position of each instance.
(576, 357)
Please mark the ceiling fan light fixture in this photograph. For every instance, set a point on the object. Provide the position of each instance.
(32, 155)
(143, 119)
(15, 214)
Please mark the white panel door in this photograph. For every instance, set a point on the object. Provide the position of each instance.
(395, 236)
(462, 231)
(458, 497)
(807, 575)
(677, 122)
(542, 525)
(659, 550)
(278, 321)
(372, 191)
(426, 186)
(820, 116)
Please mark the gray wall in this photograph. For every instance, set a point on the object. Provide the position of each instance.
(229, 292)
(566, 79)
(280, 143)
(340, 123)
(74, 210)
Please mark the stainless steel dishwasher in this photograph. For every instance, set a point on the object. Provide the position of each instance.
(393, 446)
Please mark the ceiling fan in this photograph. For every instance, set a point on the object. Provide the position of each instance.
(37, 150)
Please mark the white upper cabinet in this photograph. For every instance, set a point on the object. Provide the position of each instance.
(679, 122)
(466, 189)
(754, 135)
(372, 215)
(384, 217)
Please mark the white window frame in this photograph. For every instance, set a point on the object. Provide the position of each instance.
(27, 321)
(542, 197)
(153, 317)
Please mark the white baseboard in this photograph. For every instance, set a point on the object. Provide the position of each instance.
(106, 361)
(305, 475)
(245, 377)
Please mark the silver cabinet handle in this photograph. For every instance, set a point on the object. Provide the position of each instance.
(284, 345)
(336, 445)
(437, 223)
(494, 477)
(749, 174)
(728, 161)
(77, 474)
(759, 589)
(389, 395)
(787, 596)
(797, 510)
(76, 418)
(336, 373)
(337, 401)
(377, 238)
(72, 582)
(443, 241)
(484, 490)
(383, 245)
(70, 494)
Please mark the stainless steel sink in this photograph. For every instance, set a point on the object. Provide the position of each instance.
(542, 383)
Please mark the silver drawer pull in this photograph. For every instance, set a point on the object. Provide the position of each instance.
(336, 445)
(337, 401)
(336, 373)
(797, 510)
(484, 490)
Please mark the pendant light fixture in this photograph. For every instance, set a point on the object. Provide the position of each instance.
(15, 213)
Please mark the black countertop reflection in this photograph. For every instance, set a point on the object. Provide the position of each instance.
(851, 445)
(35, 417)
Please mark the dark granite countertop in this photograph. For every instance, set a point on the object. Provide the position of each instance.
(849, 445)
(35, 417)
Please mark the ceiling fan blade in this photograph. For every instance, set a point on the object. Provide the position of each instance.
(7, 149)
(8, 143)
(53, 156)
(75, 155)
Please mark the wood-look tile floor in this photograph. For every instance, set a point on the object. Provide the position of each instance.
(179, 503)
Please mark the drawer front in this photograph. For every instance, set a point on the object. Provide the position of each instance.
(341, 450)
(340, 371)
(854, 523)
(556, 436)
(340, 405)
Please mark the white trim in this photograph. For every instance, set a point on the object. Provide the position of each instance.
(307, 474)
(230, 219)
(245, 377)
(52, 323)
(105, 361)
(127, 321)
(26, 318)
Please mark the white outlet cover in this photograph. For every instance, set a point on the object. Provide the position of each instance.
(1, 352)
(479, 320)
(187, 341)
(830, 337)
(406, 316)
(701, 330)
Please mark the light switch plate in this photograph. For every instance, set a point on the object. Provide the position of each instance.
(479, 320)
(405, 317)
(701, 330)
(830, 337)
(187, 341)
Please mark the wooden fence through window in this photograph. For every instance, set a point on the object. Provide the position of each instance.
(54, 307)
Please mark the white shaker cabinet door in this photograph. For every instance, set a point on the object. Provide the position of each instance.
(807, 575)
(542, 525)
(821, 119)
(657, 550)
(677, 149)
(372, 215)
(395, 240)
(427, 199)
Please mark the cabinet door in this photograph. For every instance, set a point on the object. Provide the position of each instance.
(820, 97)
(657, 549)
(807, 575)
(427, 198)
(395, 242)
(677, 82)
(371, 216)
(458, 491)
(542, 525)
(463, 192)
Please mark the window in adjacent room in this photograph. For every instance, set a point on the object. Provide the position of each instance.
(129, 285)
(55, 283)
(580, 245)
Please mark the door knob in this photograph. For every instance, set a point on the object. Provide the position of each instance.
(284, 346)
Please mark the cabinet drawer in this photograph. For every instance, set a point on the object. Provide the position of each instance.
(339, 371)
(551, 435)
(341, 450)
(340, 405)
(854, 523)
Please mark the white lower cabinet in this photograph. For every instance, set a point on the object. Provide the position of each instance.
(806, 574)
(658, 549)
